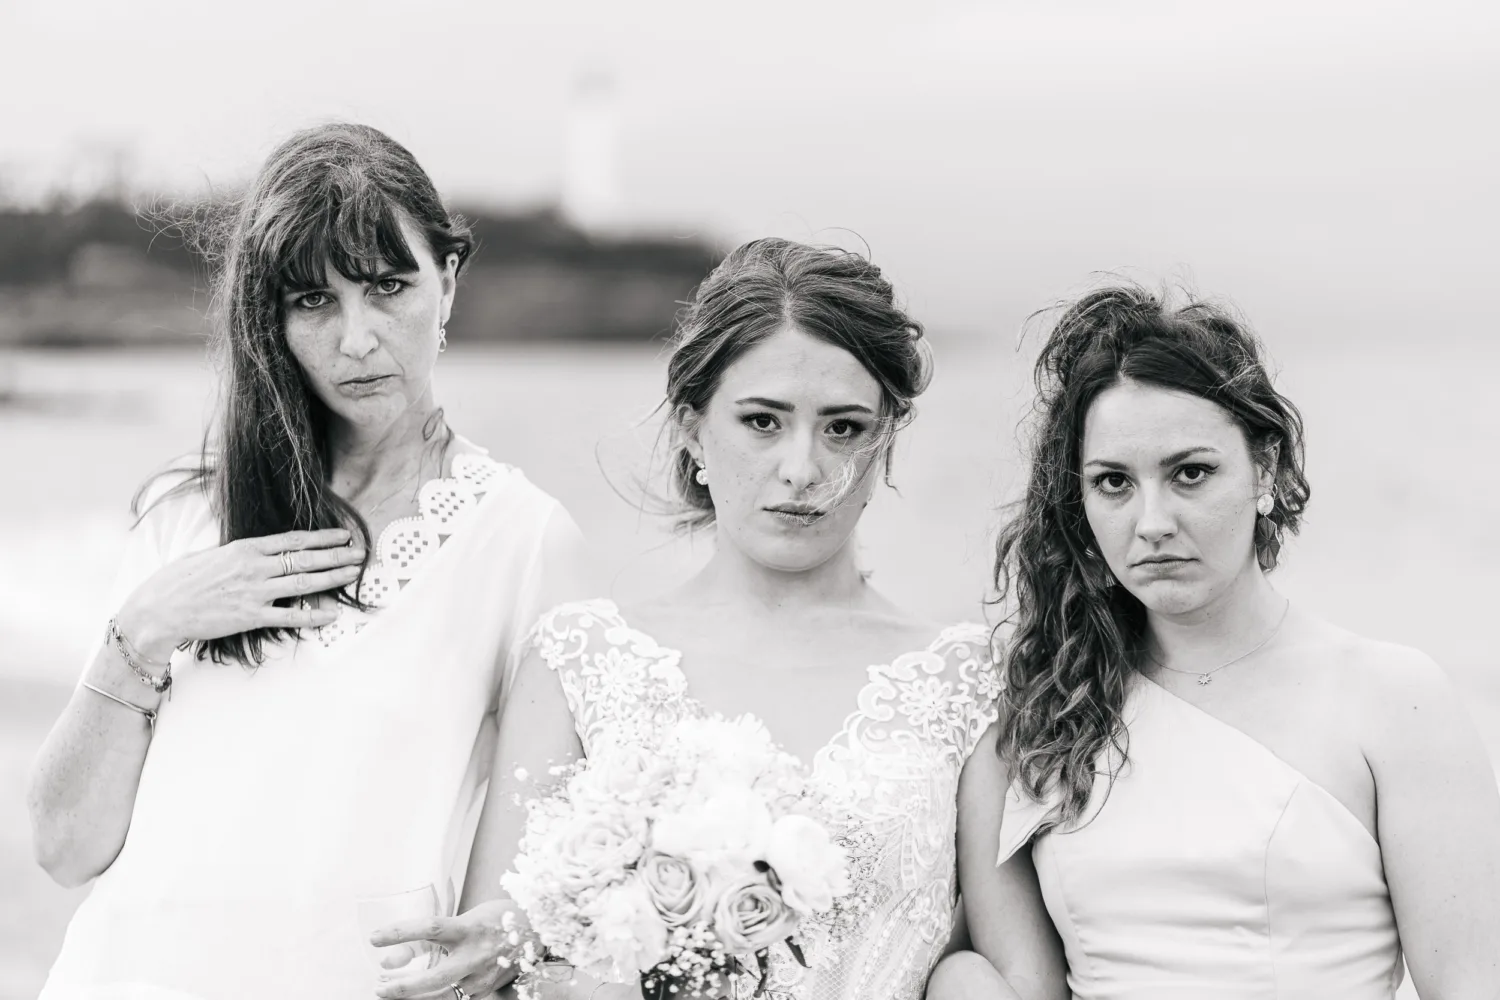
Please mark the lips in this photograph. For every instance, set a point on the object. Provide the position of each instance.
(804, 513)
(368, 385)
(1162, 561)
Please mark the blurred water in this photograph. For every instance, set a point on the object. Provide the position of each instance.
(1401, 543)
(1401, 540)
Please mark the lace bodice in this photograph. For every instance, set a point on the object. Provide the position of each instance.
(896, 760)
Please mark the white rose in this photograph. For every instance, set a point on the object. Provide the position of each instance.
(750, 916)
(675, 888)
(811, 868)
(599, 849)
(727, 830)
(726, 752)
(628, 930)
(626, 771)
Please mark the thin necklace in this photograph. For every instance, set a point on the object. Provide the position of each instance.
(1206, 676)
(369, 515)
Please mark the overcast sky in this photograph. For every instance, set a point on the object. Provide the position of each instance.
(1323, 163)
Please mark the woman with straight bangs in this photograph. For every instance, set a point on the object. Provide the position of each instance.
(791, 372)
(277, 744)
(1195, 788)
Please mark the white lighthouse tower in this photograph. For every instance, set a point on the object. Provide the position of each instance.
(590, 185)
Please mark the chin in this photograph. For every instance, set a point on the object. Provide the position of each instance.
(784, 561)
(374, 416)
(787, 555)
(1172, 597)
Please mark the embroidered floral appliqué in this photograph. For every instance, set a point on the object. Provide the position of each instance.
(896, 761)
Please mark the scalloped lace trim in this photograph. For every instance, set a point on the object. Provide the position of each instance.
(407, 543)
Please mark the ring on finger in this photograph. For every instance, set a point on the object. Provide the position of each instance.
(458, 992)
(286, 564)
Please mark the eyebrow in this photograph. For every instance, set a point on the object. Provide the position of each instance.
(1172, 459)
(389, 271)
(825, 411)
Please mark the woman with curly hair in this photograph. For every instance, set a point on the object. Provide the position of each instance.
(1195, 788)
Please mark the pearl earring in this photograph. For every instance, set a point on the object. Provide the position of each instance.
(1265, 504)
(701, 476)
(442, 339)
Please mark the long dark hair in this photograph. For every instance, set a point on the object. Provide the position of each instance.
(334, 194)
(1078, 639)
(769, 284)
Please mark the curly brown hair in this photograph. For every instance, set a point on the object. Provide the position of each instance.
(1077, 639)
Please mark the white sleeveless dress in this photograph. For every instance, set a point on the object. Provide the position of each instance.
(349, 764)
(1213, 868)
(898, 755)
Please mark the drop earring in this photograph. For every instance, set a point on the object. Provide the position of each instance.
(442, 339)
(701, 476)
(1265, 504)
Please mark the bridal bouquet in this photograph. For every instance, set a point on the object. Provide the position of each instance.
(684, 857)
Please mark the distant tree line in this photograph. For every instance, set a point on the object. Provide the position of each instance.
(38, 246)
(101, 273)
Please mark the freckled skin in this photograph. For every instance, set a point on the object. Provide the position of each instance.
(758, 456)
(351, 330)
(1201, 507)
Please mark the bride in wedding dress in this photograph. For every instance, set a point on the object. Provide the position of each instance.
(790, 375)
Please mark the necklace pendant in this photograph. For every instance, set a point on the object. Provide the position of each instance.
(1204, 680)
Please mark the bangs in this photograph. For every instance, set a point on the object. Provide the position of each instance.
(358, 232)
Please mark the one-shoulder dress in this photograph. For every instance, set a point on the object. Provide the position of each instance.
(1211, 869)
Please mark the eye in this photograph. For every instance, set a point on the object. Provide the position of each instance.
(389, 286)
(1194, 475)
(845, 429)
(311, 300)
(1112, 483)
(762, 422)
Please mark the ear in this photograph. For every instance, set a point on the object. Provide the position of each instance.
(1266, 465)
(448, 278)
(687, 419)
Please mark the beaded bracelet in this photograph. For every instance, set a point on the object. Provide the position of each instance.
(113, 637)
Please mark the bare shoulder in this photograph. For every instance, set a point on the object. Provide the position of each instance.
(1388, 673)
(1401, 695)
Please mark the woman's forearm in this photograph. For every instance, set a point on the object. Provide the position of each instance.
(84, 781)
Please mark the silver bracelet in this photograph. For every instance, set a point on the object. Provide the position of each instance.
(148, 713)
(127, 653)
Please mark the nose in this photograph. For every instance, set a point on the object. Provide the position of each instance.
(356, 331)
(1158, 519)
(798, 465)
